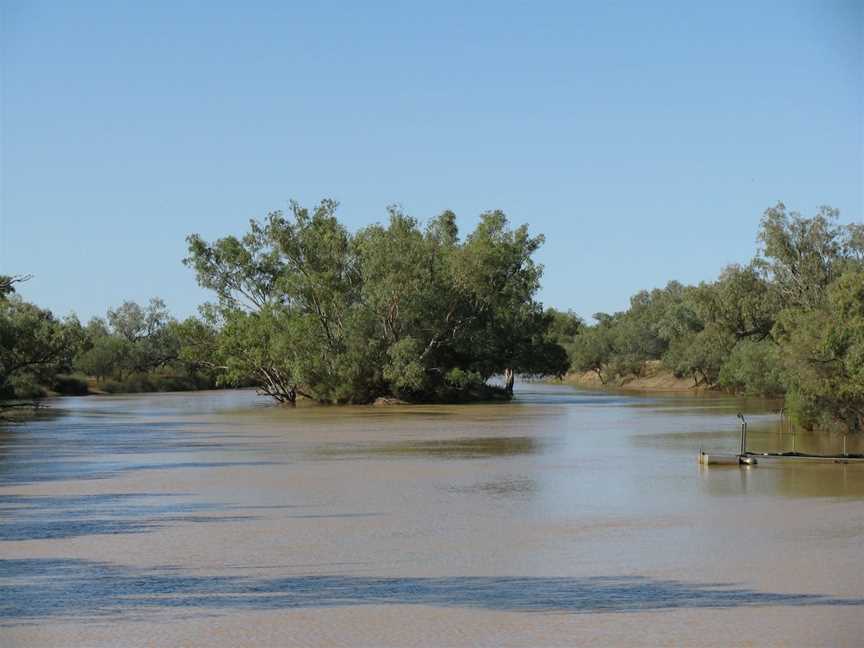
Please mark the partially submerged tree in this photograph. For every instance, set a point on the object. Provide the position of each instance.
(400, 310)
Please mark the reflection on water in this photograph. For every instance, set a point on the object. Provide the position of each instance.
(45, 517)
(784, 478)
(766, 439)
(462, 448)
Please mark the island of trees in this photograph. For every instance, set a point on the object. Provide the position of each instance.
(309, 309)
(303, 308)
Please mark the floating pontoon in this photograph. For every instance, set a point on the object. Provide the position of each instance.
(745, 458)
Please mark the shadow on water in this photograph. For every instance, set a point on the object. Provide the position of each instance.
(35, 589)
(34, 470)
(459, 448)
(57, 517)
(50, 450)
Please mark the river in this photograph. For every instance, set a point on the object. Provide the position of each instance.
(563, 518)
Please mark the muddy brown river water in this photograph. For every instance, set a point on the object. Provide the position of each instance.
(563, 518)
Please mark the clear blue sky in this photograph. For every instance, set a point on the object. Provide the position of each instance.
(644, 139)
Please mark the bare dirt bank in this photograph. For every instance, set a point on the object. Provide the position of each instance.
(654, 378)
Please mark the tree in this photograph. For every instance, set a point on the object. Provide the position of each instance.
(146, 337)
(34, 346)
(397, 310)
(802, 256)
(700, 355)
(284, 291)
(620, 344)
(107, 356)
(7, 284)
(493, 272)
(564, 326)
(741, 303)
(139, 349)
(823, 353)
(754, 368)
(593, 349)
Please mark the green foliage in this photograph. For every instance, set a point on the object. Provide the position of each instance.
(753, 368)
(24, 386)
(403, 372)
(564, 326)
(823, 353)
(34, 346)
(593, 349)
(700, 355)
(107, 355)
(741, 303)
(156, 381)
(139, 349)
(620, 344)
(789, 322)
(7, 284)
(306, 308)
(461, 379)
(70, 385)
(802, 256)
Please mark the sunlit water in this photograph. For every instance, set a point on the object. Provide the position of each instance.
(563, 517)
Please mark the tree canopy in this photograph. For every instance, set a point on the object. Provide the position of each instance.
(397, 310)
(34, 346)
(783, 324)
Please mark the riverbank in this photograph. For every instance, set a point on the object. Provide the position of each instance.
(18, 410)
(653, 378)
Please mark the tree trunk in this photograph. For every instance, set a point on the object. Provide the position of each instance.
(509, 377)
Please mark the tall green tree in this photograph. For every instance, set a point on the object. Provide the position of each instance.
(802, 256)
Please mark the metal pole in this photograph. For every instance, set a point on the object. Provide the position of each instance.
(794, 433)
(743, 448)
(780, 430)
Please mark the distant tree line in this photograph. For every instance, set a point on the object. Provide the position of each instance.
(139, 349)
(791, 323)
(134, 349)
(305, 308)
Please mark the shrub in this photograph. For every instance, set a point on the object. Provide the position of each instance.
(113, 387)
(26, 387)
(70, 385)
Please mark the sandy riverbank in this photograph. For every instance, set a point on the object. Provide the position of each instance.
(654, 378)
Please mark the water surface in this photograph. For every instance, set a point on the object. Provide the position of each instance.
(563, 517)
